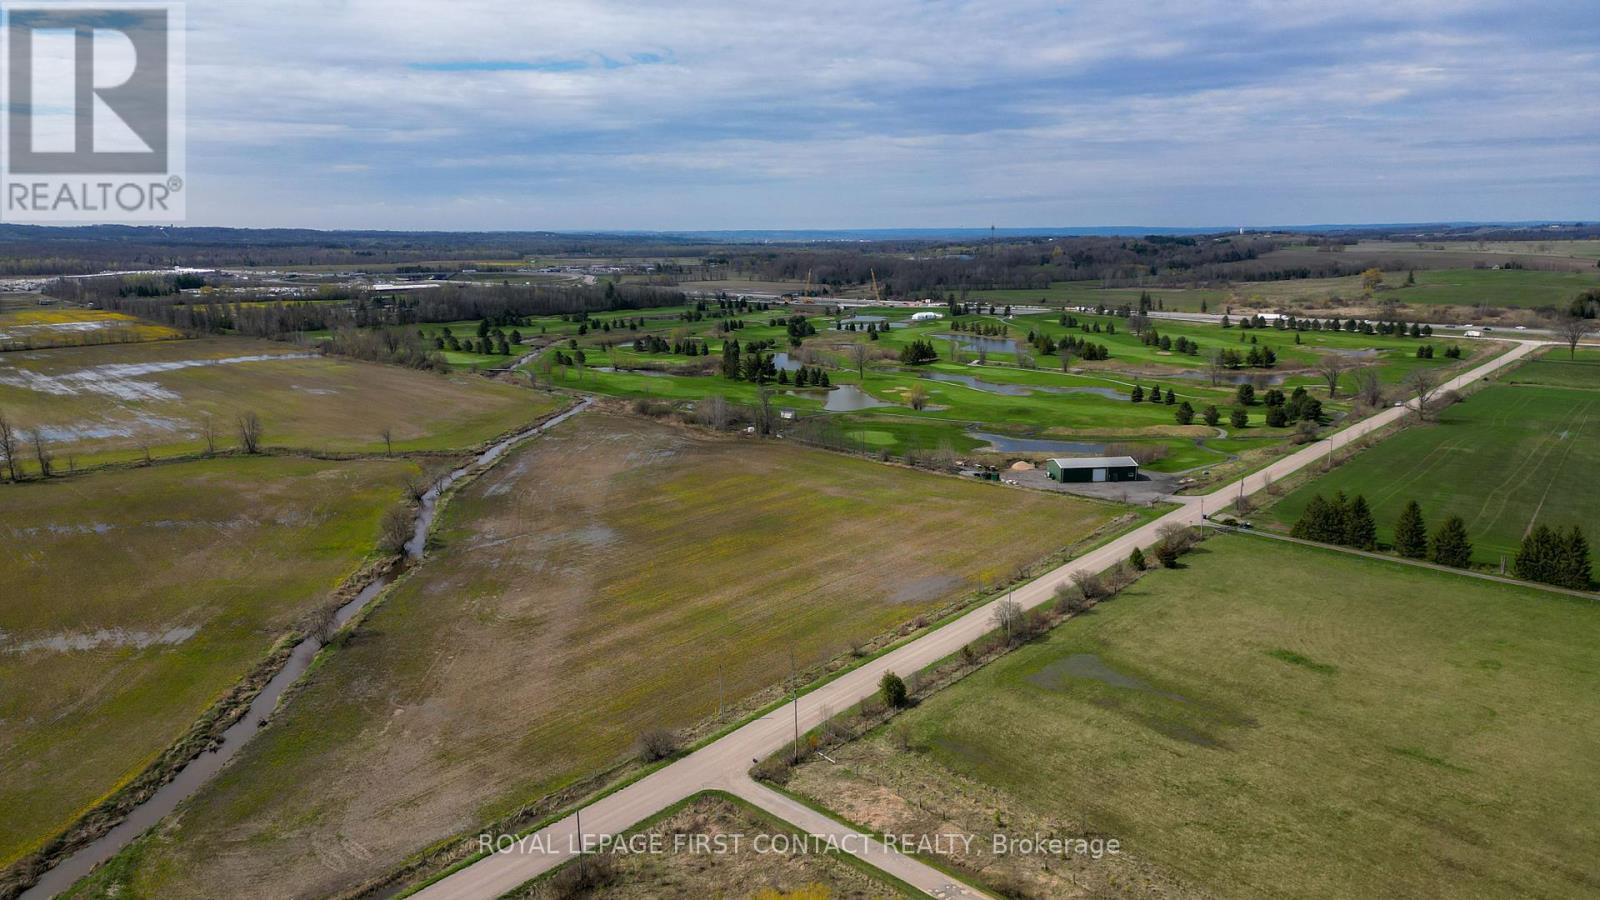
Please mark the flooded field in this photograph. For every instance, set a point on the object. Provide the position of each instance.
(116, 402)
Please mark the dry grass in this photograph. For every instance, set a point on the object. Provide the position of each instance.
(682, 872)
(130, 601)
(615, 576)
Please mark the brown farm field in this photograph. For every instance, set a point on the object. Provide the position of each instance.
(613, 576)
(131, 601)
(110, 403)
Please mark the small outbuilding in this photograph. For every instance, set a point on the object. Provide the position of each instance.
(1093, 469)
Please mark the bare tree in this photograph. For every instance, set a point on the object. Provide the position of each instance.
(764, 408)
(1215, 366)
(388, 442)
(394, 530)
(658, 744)
(1331, 367)
(1369, 388)
(41, 454)
(1008, 617)
(8, 449)
(1421, 383)
(713, 412)
(324, 624)
(249, 432)
(208, 432)
(858, 358)
(1573, 329)
(1066, 356)
(1180, 536)
(1088, 584)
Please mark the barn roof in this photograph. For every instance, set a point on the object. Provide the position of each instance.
(1096, 462)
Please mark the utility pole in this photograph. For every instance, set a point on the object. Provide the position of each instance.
(794, 678)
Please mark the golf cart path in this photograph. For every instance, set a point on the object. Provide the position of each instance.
(722, 764)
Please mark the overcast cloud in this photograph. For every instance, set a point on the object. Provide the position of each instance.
(584, 114)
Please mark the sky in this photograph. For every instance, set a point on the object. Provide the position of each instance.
(703, 114)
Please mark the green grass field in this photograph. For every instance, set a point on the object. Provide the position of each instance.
(1510, 288)
(1091, 402)
(1511, 456)
(130, 601)
(1082, 293)
(612, 576)
(104, 404)
(1274, 720)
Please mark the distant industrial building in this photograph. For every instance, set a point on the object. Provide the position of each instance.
(1093, 469)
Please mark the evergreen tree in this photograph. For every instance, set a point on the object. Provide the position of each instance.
(1360, 531)
(1411, 533)
(1450, 544)
(1172, 398)
(1313, 521)
(1138, 394)
(1212, 416)
(1535, 560)
(1575, 561)
(1136, 560)
(1185, 413)
(1239, 418)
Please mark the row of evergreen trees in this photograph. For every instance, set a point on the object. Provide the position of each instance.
(1549, 557)
(918, 352)
(1546, 556)
(1341, 521)
(806, 377)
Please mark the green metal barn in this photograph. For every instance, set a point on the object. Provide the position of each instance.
(1093, 469)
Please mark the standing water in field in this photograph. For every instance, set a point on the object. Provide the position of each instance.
(200, 770)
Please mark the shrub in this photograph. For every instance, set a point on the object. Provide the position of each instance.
(655, 409)
(584, 876)
(1088, 584)
(773, 770)
(893, 691)
(657, 744)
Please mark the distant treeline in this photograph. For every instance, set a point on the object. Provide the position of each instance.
(1030, 265)
(448, 303)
